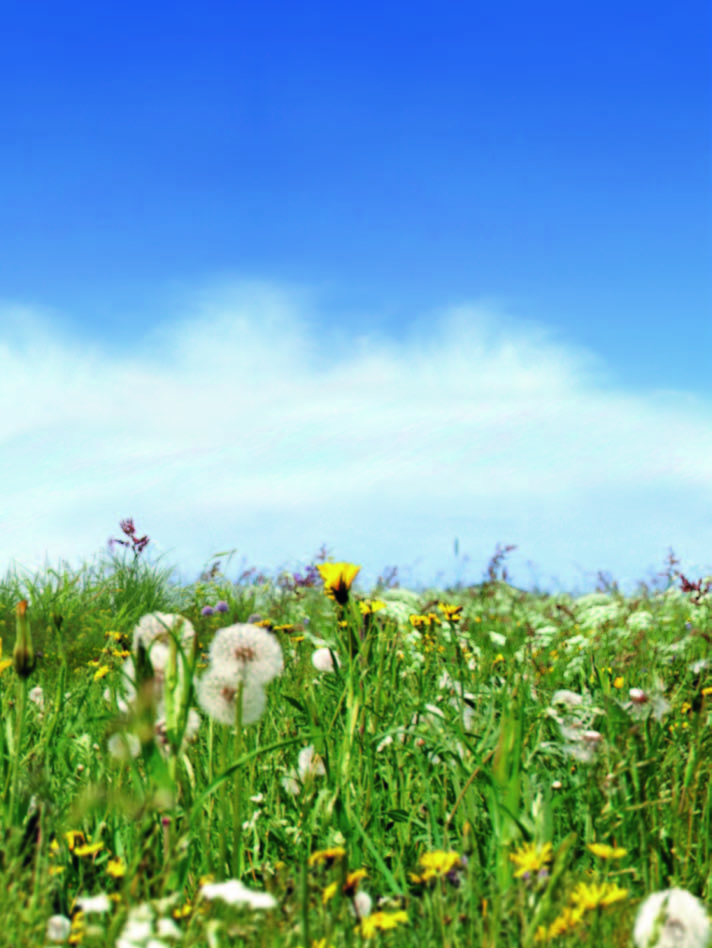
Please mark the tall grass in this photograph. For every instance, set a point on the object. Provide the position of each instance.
(471, 766)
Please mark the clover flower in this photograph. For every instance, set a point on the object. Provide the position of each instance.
(248, 652)
(679, 919)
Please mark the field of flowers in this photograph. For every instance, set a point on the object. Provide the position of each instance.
(292, 763)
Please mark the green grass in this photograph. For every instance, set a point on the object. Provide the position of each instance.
(434, 737)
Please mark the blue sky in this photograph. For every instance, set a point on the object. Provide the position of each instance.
(280, 275)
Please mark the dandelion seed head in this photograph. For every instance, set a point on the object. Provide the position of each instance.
(217, 696)
(156, 627)
(58, 928)
(684, 922)
(249, 651)
(322, 660)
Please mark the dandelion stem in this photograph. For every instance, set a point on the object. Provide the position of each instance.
(237, 791)
(21, 704)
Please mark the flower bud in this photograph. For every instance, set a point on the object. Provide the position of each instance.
(23, 657)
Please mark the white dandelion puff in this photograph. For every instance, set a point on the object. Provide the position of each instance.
(124, 746)
(58, 928)
(156, 628)
(322, 660)
(217, 696)
(362, 904)
(253, 653)
(679, 919)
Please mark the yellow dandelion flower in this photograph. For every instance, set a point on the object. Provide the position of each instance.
(338, 579)
(5, 663)
(566, 922)
(329, 892)
(618, 682)
(607, 852)
(590, 896)
(369, 606)
(705, 691)
(89, 849)
(439, 862)
(72, 836)
(381, 922)
(352, 881)
(326, 855)
(104, 670)
(452, 613)
(116, 868)
(531, 858)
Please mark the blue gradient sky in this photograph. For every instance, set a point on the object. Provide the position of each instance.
(279, 275)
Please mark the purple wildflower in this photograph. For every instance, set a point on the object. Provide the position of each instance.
(222, 606)
(207, 611)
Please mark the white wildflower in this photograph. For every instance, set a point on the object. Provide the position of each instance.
(384, 743)
(322, 660)
(679, 918)
(568, 698)
(58, 928)
(362, 904)
(291, 784)
(142, 925)
(252, 653)
(124, 746)
(310, 763)
(235, 893)
(94, 904)
(156, 629)
(217, 696)
(36, 695)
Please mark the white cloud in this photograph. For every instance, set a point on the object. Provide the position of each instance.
(254, 421)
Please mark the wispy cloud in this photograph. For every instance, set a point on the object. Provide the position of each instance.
(254, 420)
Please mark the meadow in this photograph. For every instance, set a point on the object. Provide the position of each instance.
(290, 762)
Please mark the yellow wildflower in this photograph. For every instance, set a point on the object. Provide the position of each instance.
(338, 578)
(72, 836)
(369, 606)
(607, 852)
(116, 868)
(326, 855)
(590, 896)
(618, 682)
(352, 881)
(381, 921)
(531, 858)
(566, 922)
(89, 849)
(104, 670)
(329, 892)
